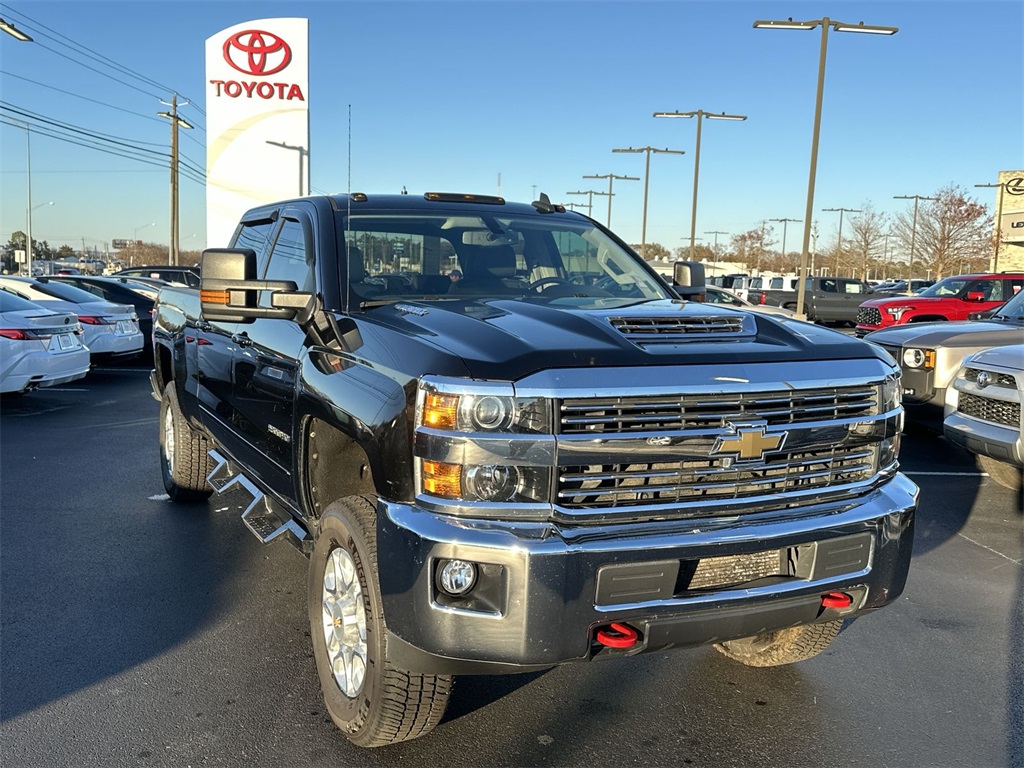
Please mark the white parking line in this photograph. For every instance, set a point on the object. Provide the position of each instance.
(947, 474)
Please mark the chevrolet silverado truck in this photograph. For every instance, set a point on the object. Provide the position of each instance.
(826, 299)
(953, 298)
(554, 458)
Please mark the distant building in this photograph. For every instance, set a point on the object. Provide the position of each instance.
(1009, 223)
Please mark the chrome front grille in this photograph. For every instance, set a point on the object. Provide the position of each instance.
(680, 412)
(869, 316)
(713, 479)
(987, 409)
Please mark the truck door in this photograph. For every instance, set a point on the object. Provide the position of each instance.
(266, 362)
(853, 293)
(215, 349)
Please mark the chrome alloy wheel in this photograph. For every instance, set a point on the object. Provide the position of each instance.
(344, 620)
(169, 440)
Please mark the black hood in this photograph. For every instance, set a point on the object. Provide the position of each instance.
(507, 339)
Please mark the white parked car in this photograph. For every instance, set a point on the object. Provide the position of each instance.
(110, 330)
(983, 412)
(730, 299)
(38, 347)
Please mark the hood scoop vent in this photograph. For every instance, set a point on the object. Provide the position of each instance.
(675, 329)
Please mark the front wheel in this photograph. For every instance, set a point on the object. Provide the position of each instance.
(786, 646)
(368, 697)
(1007, 475)
(185, 462)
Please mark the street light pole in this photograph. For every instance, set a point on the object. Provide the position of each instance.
(825, 23)
(839, 243)
(173, 248)
(647, 177)
(611, 179)
(785, 223)
(699, 114)
(999, 222)
(590, 199)
(913, 236)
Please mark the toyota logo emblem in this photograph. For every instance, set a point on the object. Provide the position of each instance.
(255, 52)
(984, 379)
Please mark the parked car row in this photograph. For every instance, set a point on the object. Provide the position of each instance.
(53, 328)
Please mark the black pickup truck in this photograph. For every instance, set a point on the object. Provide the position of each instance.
(553, 459)
(826, 299)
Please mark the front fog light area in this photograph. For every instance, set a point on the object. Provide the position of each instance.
(456, 577)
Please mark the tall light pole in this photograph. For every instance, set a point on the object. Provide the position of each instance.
(825, 23)
(913, 236)
(176, 122)
(999, 223)
(699, 114)
(647, 178)
(611, 179)
(839, 242)
(785, 223)
(590, 199)
(885, 257)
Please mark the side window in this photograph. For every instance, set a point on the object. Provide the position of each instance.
(851, 286)
(255, 236)
(290, 260)
(829, 286)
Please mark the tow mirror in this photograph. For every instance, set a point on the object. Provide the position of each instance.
(229, 291)
(688, 278)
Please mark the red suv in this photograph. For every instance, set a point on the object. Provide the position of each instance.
(950, 299)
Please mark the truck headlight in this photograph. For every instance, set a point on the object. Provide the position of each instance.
(919, 358)
(897, 312)
(459, 412)
(890, 394)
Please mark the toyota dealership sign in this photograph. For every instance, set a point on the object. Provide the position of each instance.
(257, 124)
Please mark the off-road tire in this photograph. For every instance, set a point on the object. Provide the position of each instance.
(185, 467)
(392, 704)
(786, 646)
(1007, 475)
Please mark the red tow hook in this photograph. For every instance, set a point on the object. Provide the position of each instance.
(617, 635)
(836, 600)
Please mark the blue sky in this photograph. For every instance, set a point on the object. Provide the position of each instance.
(445, 96)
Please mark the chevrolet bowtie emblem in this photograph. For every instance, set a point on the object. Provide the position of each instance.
(748, 443)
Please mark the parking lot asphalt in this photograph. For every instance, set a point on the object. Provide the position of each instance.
(137, 632)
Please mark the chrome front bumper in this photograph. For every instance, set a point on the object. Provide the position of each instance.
(544, 589)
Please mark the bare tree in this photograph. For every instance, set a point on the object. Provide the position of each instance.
(651, 250)
(751, 249)
(953, 230)
(868, 235)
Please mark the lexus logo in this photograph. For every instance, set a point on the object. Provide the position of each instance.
(1015, 186)
(748, 442)
(255, 52)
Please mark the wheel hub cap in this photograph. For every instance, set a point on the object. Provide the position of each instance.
(344, 621)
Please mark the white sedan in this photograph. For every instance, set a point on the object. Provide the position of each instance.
(111, 330)
(717, 295)
(38, 347)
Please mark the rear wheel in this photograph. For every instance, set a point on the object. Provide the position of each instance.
(184, 459)
(786, 646)
(1007, 475)
(373, 701)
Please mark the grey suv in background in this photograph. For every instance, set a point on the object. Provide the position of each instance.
(185, 275)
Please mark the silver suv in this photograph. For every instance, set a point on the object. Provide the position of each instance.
(983, 412)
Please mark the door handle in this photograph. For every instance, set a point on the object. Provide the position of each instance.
(241, 339)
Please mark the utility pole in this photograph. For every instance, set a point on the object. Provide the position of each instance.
(611, 179)
(647, 178)
(172, 252)
(716, 233)
(839, 244)
(785, 222)
(590, 199)
(913, 236)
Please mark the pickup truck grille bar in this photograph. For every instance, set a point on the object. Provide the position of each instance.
(673, 329)
(624, 485)
(987, 409)
(674, 412)
(869, 316)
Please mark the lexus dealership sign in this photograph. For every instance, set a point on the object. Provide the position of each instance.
(257, 120)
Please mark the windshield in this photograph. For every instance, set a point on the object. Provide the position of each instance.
(1013, 309)
(437, 255)
(65, 292)
(951, 286)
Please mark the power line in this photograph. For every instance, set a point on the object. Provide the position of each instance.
(77, 128)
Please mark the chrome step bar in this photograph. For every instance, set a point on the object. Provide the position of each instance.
(263, 516)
